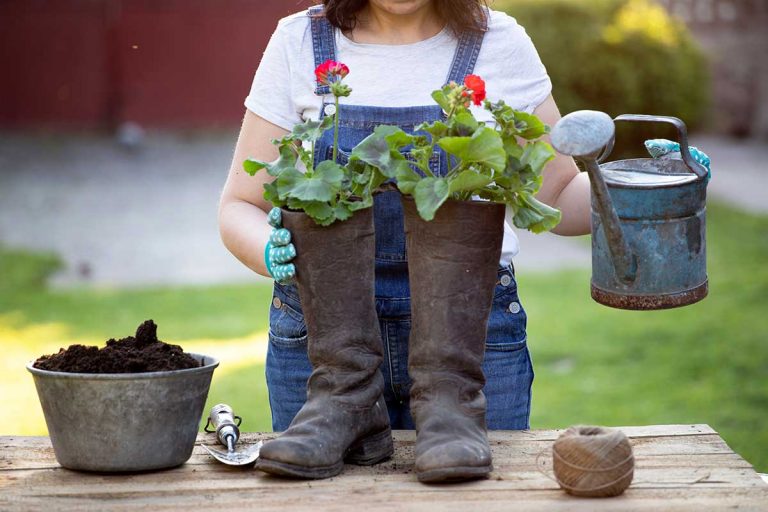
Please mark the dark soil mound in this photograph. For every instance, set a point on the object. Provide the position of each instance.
(143, 353)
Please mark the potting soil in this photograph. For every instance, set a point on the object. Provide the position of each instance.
(142, 353)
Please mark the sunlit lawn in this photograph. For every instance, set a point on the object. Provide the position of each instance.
(706, 363)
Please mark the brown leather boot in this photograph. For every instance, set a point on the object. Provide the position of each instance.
(345, 415)
(452, 266)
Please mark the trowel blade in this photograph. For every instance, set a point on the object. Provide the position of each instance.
(241, 457)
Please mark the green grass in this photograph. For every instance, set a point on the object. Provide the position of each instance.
(707, 363)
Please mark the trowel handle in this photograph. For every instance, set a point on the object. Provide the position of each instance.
(223, 421)
(682, 135)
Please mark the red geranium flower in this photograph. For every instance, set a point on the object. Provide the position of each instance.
(477, 87)
(329, 70)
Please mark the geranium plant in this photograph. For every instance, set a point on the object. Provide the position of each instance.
(328, 192)
(501, 163)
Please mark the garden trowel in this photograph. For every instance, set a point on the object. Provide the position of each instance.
(225, 424)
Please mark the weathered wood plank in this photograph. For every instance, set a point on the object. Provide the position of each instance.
(36, 453)
(444, 498)
(68, 483)
(679, 467)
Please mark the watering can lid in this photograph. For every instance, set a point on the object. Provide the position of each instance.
(647, 173)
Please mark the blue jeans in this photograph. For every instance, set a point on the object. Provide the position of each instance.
(507, 365)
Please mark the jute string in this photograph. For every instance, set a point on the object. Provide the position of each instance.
(592, 461)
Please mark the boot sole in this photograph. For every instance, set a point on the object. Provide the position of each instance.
(455, 474)
(366, 452)
(371, 450)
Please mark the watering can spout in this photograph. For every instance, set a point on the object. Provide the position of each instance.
(583, 135)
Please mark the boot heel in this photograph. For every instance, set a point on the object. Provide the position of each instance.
(371, 450)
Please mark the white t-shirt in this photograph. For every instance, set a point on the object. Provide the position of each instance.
(283, 89)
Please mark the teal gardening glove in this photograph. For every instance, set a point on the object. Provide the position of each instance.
(279, 250)
(663, 148)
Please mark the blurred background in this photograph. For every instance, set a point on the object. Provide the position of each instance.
(117, 124)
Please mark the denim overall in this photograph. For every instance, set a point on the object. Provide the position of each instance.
(507, 365)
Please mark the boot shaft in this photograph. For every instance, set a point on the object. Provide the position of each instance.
(335, 278)
(452, 263)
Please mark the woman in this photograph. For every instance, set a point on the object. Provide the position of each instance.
(398, 52)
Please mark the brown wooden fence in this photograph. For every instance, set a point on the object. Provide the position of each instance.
(188, 63)
(97, 63)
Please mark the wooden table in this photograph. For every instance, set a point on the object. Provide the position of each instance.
(679, 467)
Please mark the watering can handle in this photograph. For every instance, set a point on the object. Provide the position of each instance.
(682, 133)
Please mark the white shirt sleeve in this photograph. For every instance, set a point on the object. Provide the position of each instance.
(533, 77)
(271, 95)
(511, 65)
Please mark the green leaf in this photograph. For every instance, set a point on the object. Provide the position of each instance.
(516, 122)
(422, 155)
(342, 211)
(464, 124)
(362, 204)
(295, 204)
(397, 138)
(483, 147)
(330, 172)
(271, 194)
(286, 160)
(377, 179)
(362, 178)
(493, 193)
(518, 177)
(407, 179)
(534, 215)
(468, 181)
(537, 154)
(511, 146)
(430, 194)
(529, 126)
(437, 129)
(252, 166)
(318, 210)
(286, 181)
(322, 185)
(376, 151)
(311, 130)
(441, 98)
(504, 115)
(306, 157)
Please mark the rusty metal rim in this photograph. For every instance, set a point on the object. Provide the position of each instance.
(650, 302)
(696, 181)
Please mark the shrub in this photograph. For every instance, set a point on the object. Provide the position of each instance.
(22, 270)
(618, 56)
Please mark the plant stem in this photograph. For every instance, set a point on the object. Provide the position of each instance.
(452, 167)
(313, 157)
(426, 168)
(336, 129)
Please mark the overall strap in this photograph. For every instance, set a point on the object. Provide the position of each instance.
(466, 54)
(323, 42)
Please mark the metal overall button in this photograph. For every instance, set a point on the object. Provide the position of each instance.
(329, 110)
(506, 280)
(514, 307)
(277, 303)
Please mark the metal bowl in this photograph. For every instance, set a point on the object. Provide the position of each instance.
(123, 422)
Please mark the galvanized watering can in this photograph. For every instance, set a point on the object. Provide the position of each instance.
(648, 216)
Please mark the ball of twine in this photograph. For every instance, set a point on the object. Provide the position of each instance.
(593, 461)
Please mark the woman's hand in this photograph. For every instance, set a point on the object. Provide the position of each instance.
(243, 222)
(564, 187)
